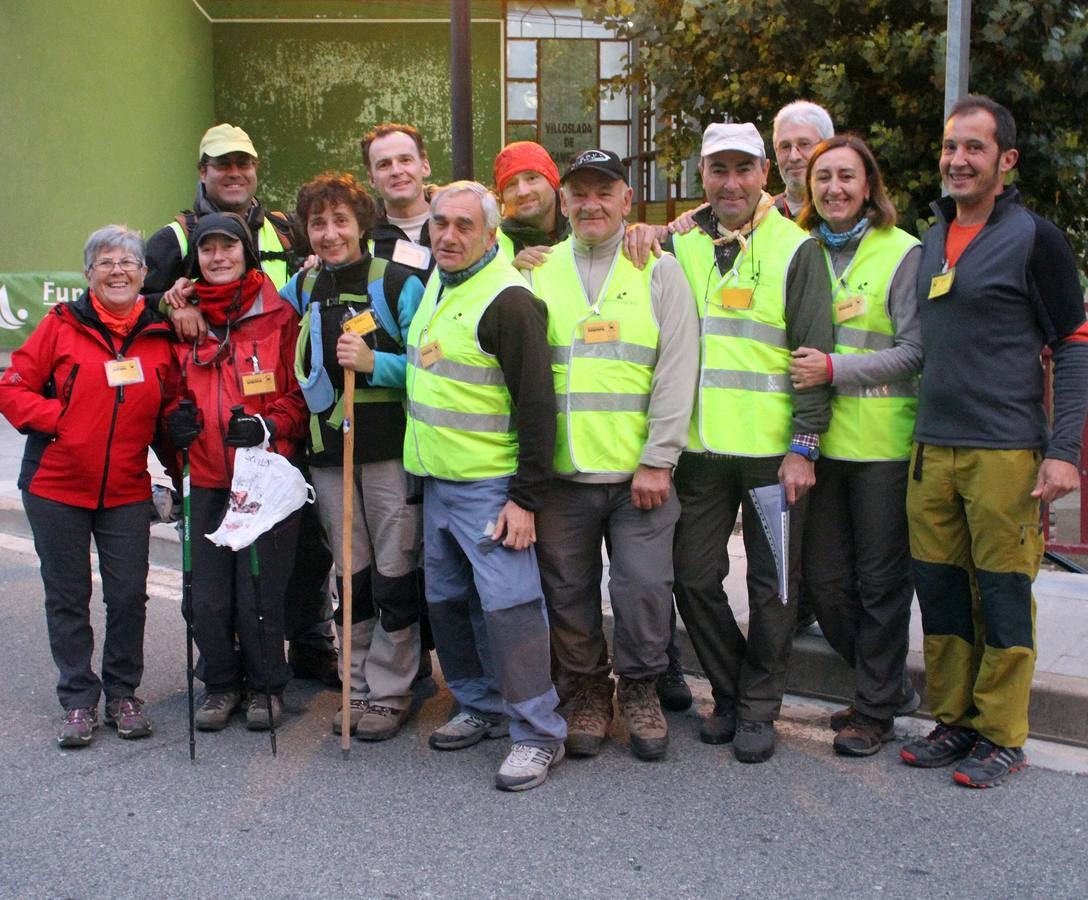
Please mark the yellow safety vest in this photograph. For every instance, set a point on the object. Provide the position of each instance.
(603, 356)
(870, 423)
(506, 245)
(267, 239)
(744, 404)
(461, 424)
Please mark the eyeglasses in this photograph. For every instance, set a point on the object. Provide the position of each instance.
(803, 146)
(106, 265)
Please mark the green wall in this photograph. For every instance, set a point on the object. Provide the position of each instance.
(103, 104)
(307, 92)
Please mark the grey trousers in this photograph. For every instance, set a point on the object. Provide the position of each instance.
(746, 672)
(570, 527)
(856, 573)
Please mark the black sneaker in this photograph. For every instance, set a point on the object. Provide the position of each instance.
(672, 689)
(311, 662)
(942, 746)
(988, 764)
(720, 726)
(754, 741)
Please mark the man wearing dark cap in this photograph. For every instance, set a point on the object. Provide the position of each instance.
(761, 291)
(624, 358)
(527, 182)
(227, 169)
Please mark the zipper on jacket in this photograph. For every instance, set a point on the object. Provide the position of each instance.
(119, 398)
(66, 389)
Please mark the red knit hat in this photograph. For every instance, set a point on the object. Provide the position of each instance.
(524, 156)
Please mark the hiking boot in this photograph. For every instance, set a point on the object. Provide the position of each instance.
(988, 764)
(720, 726)
(127, 716)
(754, 741)
(840, 718)
(863, 735)
(589, 717)
(216, 709)
(672, 689)
(527, 767)
(379, 723)
(806, 621)
(645, 722)
(356, 707)
(257, 711)
(466, 729)
(78, 728)
(943, 745)
(314, 663)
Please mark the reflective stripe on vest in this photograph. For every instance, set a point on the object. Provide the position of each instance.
(871, 423)
(744, 405)
(602, 390)
(461, 423)
(267, 239)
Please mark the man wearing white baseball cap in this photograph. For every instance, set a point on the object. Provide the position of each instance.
(761, 291)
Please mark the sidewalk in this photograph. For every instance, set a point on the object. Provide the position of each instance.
(1059, 704)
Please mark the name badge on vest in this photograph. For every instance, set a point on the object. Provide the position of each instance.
(736, 298)
(120, 372)
(850, 308)
(601, 332)
(254, 383)
(414, 255)
(430, 353)
(941, 283)
(364, 323)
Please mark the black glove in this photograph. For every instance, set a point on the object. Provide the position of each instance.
(183, 425)
(245, 429)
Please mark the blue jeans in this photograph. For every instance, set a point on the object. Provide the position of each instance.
(487, 612)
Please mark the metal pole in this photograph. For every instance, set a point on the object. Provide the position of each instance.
(461, 82)
(957, 56)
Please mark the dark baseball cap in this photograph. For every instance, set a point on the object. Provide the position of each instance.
(604, 161)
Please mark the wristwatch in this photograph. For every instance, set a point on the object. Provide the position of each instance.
(810, 453)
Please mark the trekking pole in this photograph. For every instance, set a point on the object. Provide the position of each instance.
(187, 587)
(255, 571)
(345, 598)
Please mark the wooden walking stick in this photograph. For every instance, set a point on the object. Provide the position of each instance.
(345, 593)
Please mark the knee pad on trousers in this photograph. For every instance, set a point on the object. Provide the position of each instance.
(362, 598)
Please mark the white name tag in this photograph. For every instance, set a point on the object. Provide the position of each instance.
(414, 255)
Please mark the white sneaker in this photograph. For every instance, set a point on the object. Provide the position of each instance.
(527, 766)
(466, 729)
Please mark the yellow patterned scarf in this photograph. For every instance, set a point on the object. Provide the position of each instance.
(764, 206)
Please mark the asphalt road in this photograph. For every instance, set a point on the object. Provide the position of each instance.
(397, 819)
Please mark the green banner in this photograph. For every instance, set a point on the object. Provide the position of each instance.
(27, 297)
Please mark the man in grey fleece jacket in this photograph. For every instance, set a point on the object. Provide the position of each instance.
(625, 356)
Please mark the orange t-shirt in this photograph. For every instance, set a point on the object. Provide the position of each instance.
(959, 236)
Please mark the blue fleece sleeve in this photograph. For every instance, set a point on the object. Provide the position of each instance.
(390, 369)
(291, 291)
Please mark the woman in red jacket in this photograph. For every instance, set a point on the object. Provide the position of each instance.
(87, 388)
(246, 360)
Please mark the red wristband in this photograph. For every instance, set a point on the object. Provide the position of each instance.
(830, 370)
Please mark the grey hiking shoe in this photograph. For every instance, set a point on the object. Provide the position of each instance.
(78, 728)
(645, 722)
(988, 764)
(944, 745)
(527, 767)
(257, 711)
(127, 716)
(379, 723)
(589, 717)
(215, 710)
(356, 707)
(466, 729)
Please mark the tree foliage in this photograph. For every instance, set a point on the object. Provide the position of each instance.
(878, 68)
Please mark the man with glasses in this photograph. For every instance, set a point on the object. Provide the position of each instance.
(798, 128)
(227, 168)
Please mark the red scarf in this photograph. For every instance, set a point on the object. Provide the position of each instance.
(119, 325)
(220, 302)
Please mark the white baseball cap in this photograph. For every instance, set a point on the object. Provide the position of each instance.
(741, 136)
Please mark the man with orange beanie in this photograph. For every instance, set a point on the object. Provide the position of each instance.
(527, 181)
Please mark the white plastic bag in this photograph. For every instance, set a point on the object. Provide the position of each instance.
(265, 490)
